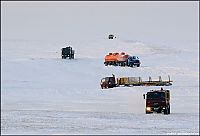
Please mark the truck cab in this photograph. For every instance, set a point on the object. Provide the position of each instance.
(157, 101)
(133, 61)
(108, 82)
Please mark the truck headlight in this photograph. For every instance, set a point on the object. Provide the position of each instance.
(148, 108)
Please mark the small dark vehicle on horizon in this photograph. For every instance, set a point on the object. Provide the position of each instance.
(67, 52)
(111, 36)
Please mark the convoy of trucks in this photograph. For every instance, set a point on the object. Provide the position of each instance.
(156, 100)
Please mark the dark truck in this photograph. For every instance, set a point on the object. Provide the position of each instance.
(111, 36)
(157, 101)
(108, 82)
(133, 61)
(67, 52)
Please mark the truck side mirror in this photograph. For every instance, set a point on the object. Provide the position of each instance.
(144, 96)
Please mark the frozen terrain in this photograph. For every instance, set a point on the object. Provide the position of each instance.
(41, 93)
(44, 94)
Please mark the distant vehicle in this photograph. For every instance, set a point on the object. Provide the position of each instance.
(157, 101)
(111, 36)
(108, 82)
(67, 52)
(121, 59)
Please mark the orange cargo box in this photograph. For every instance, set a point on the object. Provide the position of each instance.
(116, 57)
(122, 57)
(111, 57)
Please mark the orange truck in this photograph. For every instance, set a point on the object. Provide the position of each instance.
(121, 59)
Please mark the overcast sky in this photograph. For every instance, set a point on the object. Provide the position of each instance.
(143, 21)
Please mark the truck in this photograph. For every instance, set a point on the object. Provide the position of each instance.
(108, 82)
(111, 36)
(157, 101)
(67, 52)
(121, 59)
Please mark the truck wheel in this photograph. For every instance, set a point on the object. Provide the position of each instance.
(138, 65)
(159, 111)
(169, 110)
(166, 111)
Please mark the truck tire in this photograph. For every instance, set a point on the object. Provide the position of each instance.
(166, 111)
(138, 65)
(169, 110)
(159, 111)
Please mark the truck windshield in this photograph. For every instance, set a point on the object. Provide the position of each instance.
(133, 57)
(155, 95)
(105, 79)
(108, 79)
(112, 80)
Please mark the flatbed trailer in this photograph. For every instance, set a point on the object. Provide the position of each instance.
(137, 81)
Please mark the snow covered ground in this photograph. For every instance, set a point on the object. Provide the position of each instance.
(44, 94)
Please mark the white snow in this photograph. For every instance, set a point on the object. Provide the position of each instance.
(44, 94)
